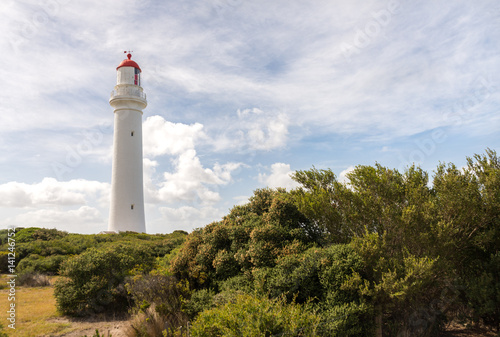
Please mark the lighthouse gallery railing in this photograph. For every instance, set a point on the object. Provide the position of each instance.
(128, 92)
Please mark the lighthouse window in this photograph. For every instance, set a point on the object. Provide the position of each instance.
(137, 77)
(132, 206)
(132, 133)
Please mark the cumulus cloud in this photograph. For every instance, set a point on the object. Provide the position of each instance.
(190, 181)
(279, 177)
(190, 217)
(83, 214)
(162, 137)
(52, 192)
(343, 175)
(90, 218)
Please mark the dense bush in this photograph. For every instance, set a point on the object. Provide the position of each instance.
(35, 233)
(418, 240)
(251, 236)
(41, 264)
(4, 261)
(418, 251)
(94, 280)
(321, 276)
(317, 273)
(248, 315)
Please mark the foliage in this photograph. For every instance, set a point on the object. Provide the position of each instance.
(37, 244)
(321, 275)
(251, 236)
(4, 259)
(346, 319)
(35, 263)
(200, 300)
(316, 273)
(483, 292)
(256, 316)
(416, 239)
(35, 233)
(93, 280)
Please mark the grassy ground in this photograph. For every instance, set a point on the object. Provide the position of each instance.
(36, 315)
(35, 307)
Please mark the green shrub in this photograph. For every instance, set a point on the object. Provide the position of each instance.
(346, 319)
(248, 315)
(94, 280)
(199, 301)
(35, 233)
(483, 293)
(41, 264)
(4, 261)
(251, 236)
(317, 273)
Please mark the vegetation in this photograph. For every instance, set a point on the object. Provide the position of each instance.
(387, 253)
(247, 315)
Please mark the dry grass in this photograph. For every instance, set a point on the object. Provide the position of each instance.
(36, 315)
(147, 323)
(33, 280)
(34, 308)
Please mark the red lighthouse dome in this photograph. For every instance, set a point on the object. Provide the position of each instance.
(129, 63)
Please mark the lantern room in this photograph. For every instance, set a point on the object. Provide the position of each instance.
(128, 72)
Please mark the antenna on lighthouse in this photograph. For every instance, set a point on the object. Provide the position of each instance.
(129, 55)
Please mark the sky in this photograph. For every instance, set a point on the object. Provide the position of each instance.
(240, 95)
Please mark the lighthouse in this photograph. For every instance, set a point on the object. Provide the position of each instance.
(127, 196)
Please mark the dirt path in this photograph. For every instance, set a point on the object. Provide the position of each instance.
(114, 328)
(457, 330)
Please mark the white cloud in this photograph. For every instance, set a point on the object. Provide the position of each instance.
(343, 175)
(279, 177)
(84, 219)
(162, 137)
(254, 129)
(190, 182)
(188, 217)
(241, 200)
(52, 192)
(150, 188)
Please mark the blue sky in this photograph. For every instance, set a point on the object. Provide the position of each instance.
(240, 94)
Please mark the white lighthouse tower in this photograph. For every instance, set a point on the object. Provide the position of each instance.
(127, 196)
